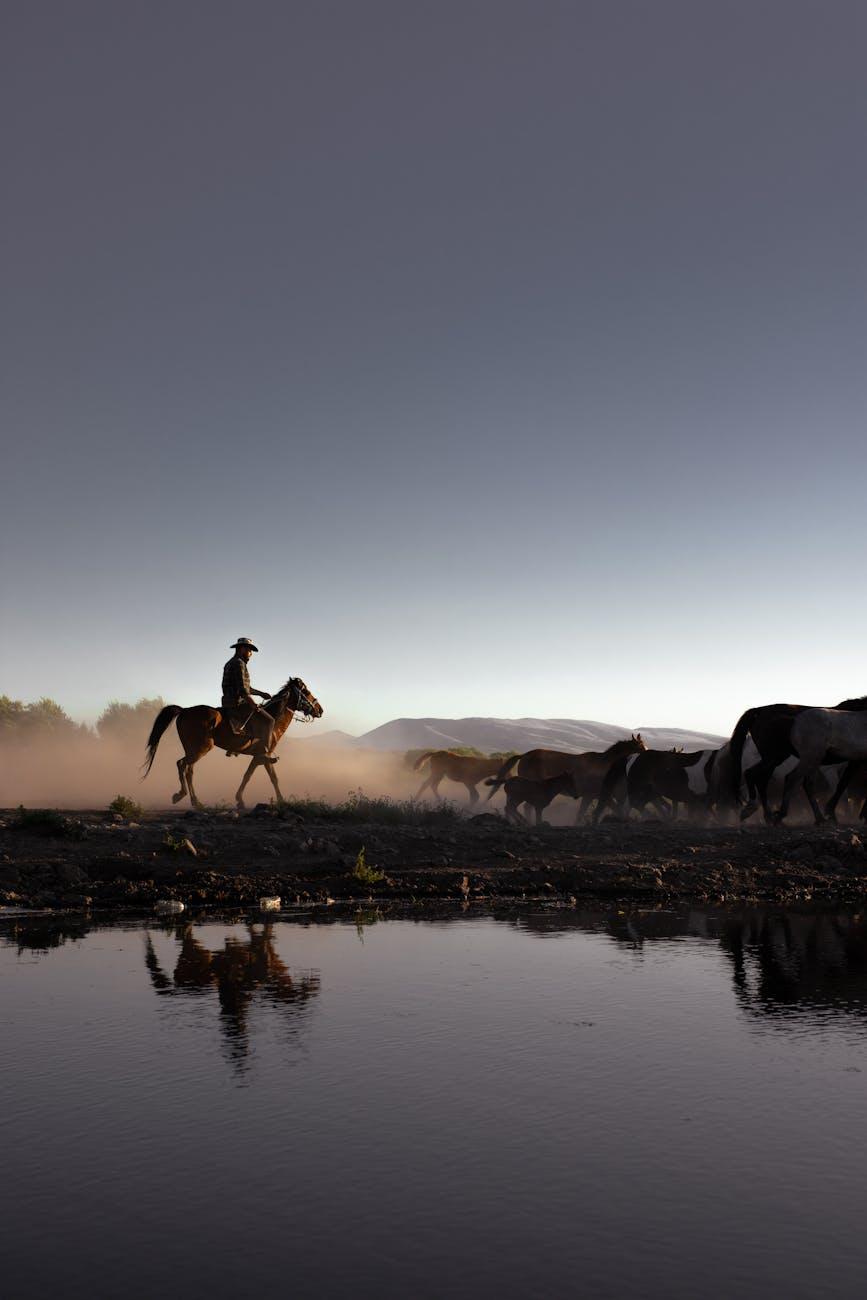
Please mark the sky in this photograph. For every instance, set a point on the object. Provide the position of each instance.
(489, 357)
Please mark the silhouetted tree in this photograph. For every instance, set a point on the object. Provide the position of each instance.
(128, 721)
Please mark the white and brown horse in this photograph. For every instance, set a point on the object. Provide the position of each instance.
(820, 736)
(202, 727)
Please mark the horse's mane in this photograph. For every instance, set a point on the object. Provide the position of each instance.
(278, 699)
(856, 704)
(619, 746)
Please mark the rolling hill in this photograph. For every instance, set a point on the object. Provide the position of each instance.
(492, 734)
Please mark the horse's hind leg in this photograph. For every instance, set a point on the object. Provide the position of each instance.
(472, 792)
(793, 780)
(842, 786)
(424, 785)
(182, 773)
(194, 798)
(814, 804)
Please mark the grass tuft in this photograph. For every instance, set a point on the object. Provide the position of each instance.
(359, 807)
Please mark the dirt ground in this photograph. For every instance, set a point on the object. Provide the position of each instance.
(93, 860)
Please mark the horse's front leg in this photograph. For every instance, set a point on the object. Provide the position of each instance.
(473, 793)
(254, 763)
(585, 800)
(272, 777)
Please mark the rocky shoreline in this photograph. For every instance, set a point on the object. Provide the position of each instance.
(98, 860)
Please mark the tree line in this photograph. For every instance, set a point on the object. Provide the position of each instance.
(45, 719)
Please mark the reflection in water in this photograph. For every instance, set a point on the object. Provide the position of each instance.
(239, 972)
(785, 962)
(44, 932)
(782, 962)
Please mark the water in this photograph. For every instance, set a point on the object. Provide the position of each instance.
(549, 1103)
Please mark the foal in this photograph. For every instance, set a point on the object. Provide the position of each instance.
(538, 794)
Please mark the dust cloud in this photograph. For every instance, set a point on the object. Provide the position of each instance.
(83, 771)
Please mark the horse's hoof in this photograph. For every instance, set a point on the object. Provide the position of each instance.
(176, 798)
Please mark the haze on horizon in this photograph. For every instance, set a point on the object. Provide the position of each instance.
(480, 358)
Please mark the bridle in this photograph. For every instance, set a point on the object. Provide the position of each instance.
(301, 698)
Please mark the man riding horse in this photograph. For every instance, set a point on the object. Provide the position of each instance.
(248, 720)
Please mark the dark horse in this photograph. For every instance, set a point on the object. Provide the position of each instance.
(588, 771)
(770, 726)
(201, 727)
(538, 794)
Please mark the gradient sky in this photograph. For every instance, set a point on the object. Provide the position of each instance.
(476, 357)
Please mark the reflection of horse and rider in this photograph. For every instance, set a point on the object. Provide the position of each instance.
(239, 726)
(241, 969)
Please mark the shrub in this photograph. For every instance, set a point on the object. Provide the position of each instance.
(366, 874)
(126, 807)
(48, 821)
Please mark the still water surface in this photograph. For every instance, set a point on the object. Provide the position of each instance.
(546, 1103)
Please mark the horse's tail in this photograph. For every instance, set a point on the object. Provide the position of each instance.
(736, 749)
(504, 771)
(422, 758)
(164, 719)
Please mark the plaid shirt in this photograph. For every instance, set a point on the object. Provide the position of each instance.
(236, 683)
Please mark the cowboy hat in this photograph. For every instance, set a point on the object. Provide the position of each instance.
(242, 643)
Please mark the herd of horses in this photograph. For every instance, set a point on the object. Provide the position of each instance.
(820, 751)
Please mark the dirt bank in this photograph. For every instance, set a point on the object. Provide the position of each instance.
(97, 860)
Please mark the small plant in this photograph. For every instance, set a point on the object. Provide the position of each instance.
(366, 874)
(172, 843)
(126, 808)
(48, 821)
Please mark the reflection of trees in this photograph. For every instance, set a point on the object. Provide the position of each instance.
(241, 971)
(41, 933)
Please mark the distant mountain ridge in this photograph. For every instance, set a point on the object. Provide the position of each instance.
(492, 734)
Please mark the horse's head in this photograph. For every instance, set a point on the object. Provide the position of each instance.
(634, 745)
(301, 700)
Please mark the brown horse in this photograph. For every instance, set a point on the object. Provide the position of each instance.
(588, 771)
(538, 794)
(201, 727)
(464, 768)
